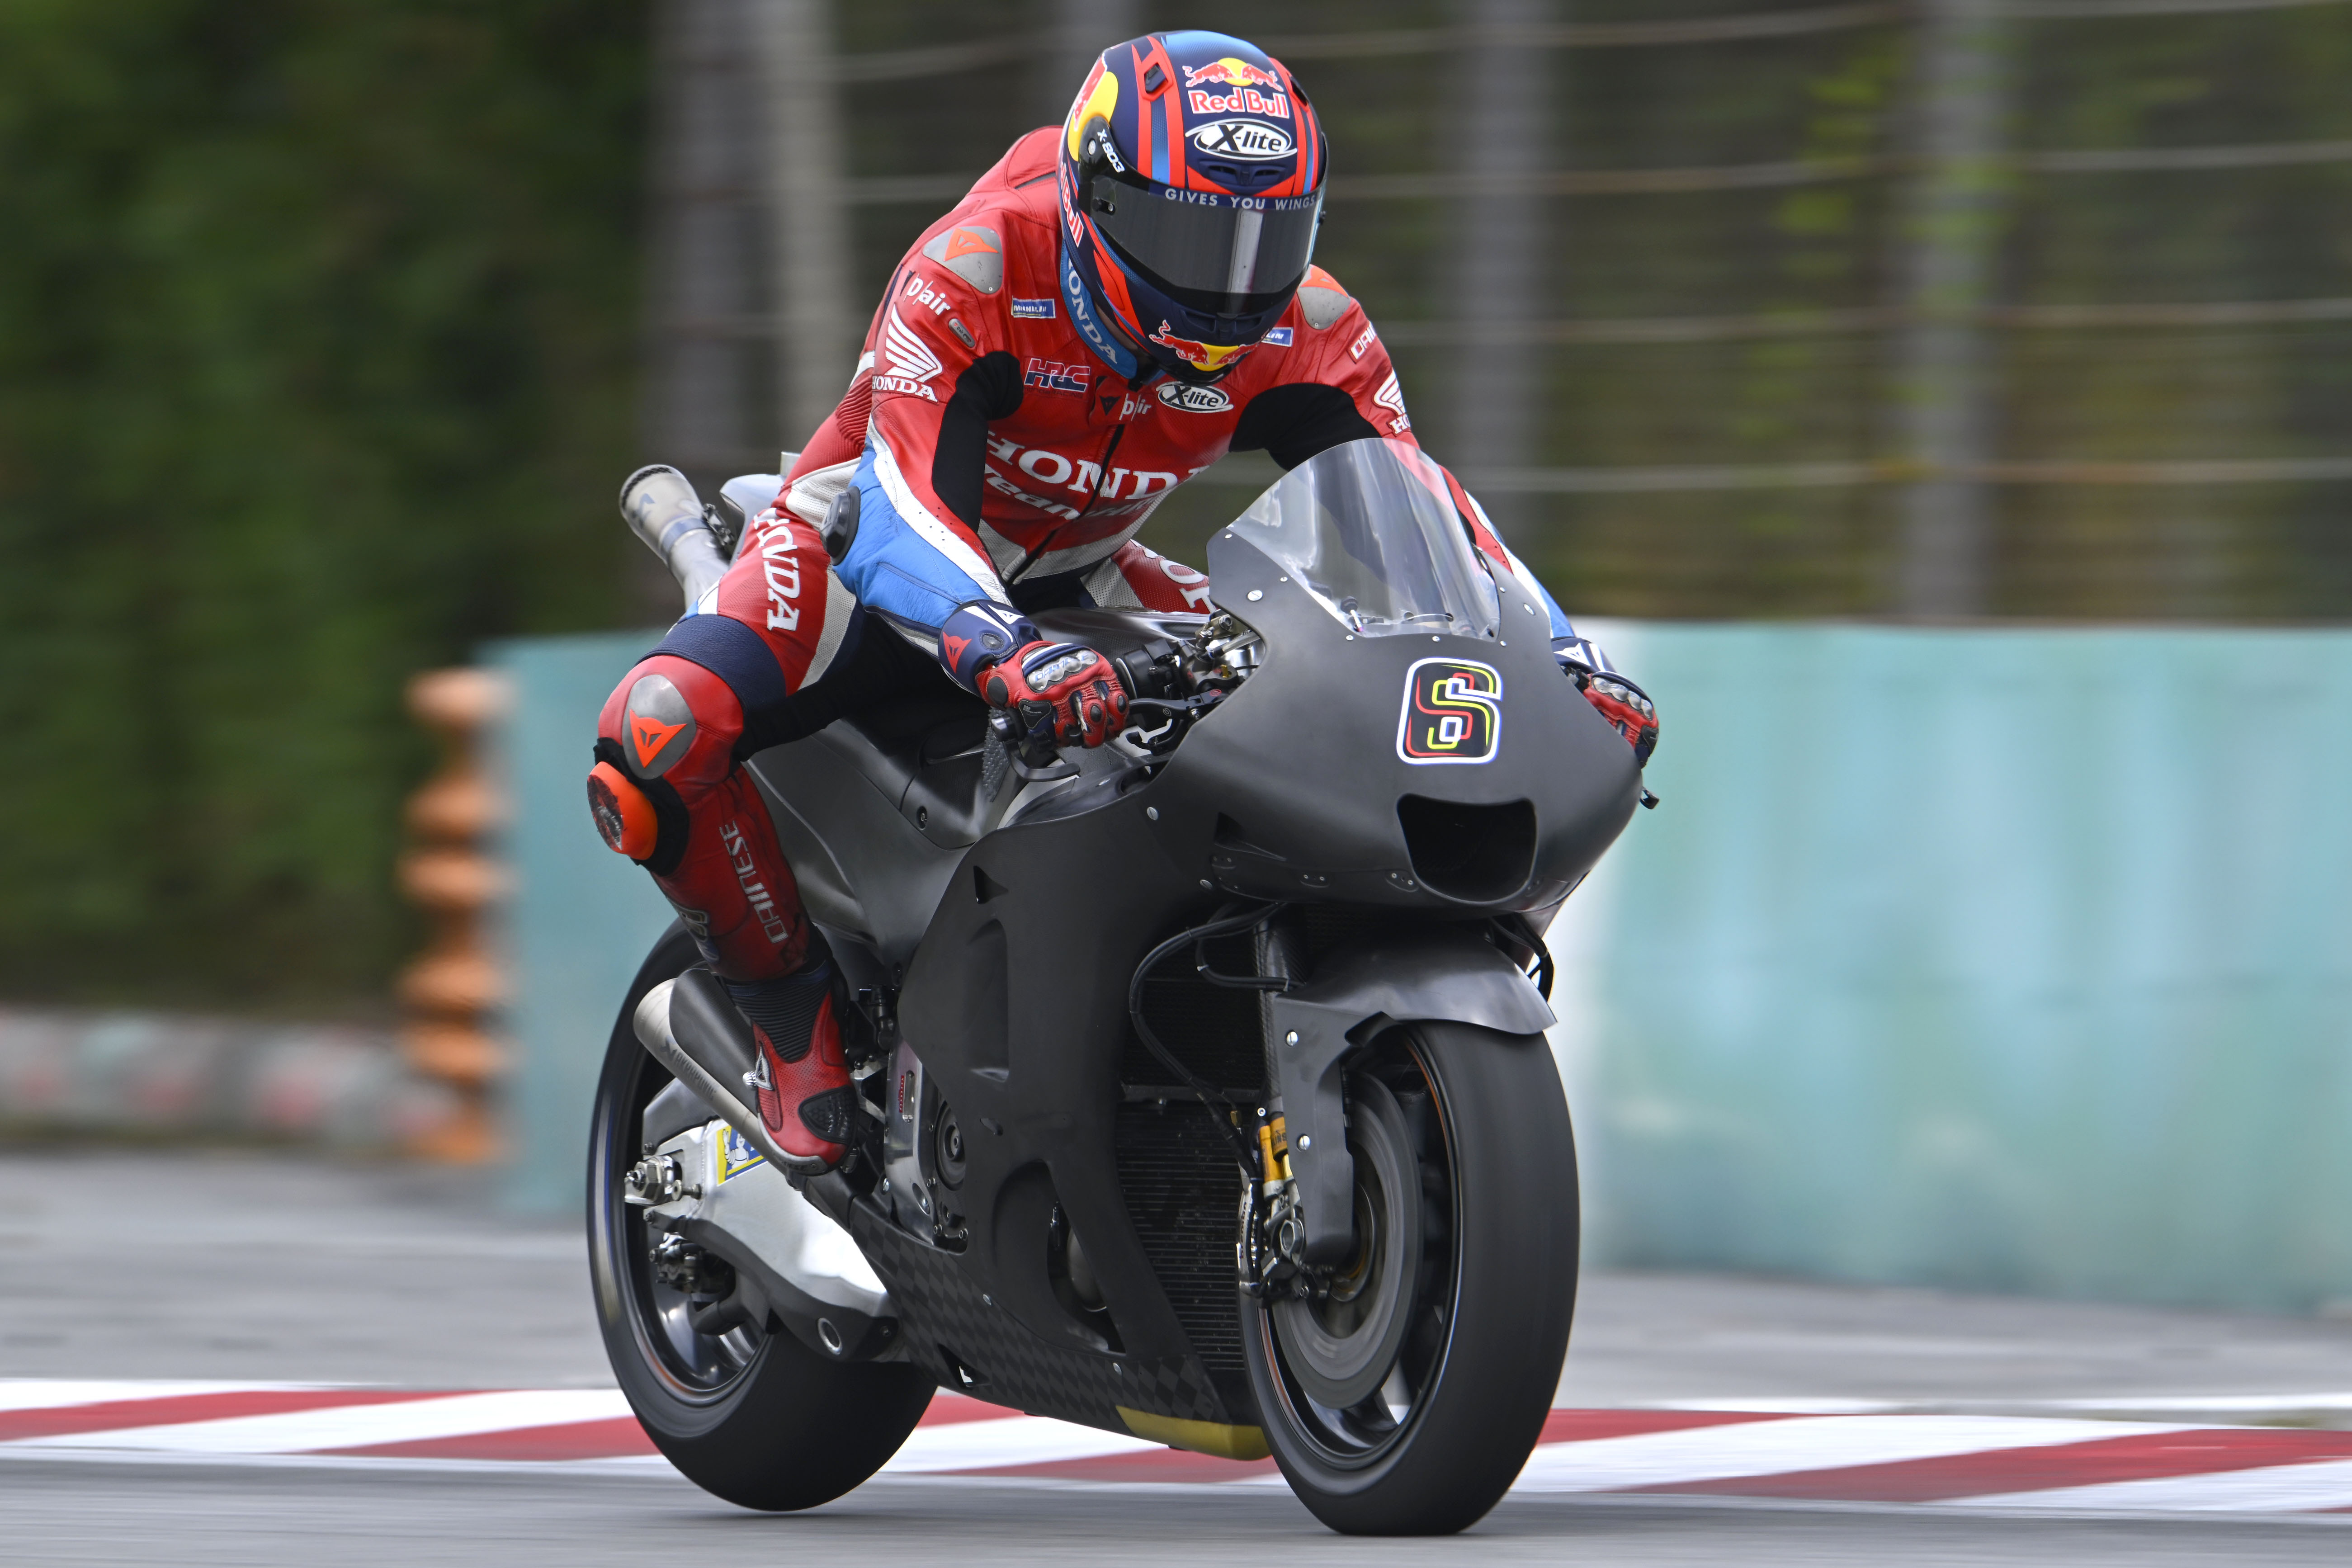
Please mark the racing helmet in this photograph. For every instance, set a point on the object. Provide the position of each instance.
(1191, 188)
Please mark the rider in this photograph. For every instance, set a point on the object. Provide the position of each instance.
(1120, 302)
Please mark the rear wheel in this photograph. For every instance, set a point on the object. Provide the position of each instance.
(754, 1417)
(1406, 1399)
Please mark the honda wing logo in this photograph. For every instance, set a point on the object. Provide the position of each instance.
(1453, 712)
(912, 362)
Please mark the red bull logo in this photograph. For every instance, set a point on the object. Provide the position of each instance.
(1200, 356)
(1244, 78)
(1230, 72)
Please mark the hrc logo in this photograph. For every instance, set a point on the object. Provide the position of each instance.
(1453, 712)
(1056, 376)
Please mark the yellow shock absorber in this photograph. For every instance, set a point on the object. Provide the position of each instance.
(1273, 1150)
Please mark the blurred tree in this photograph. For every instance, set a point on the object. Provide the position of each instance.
(317, 324)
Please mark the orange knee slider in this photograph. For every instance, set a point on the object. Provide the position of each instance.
(623, 815)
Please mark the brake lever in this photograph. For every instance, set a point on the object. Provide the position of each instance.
(1182, 712)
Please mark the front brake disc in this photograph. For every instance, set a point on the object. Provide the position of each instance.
(1341, 1347)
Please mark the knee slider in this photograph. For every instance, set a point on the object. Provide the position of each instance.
(623, 815)
(646, 821)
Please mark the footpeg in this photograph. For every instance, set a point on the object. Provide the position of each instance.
(692, 1027)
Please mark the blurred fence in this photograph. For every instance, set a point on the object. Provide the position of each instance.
(1940, 308)
(1729, 307)
(2010, 960)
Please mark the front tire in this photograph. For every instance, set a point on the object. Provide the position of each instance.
(1485, 1271)
(754, 1418)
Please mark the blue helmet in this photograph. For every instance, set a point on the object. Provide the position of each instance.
(1191, 188)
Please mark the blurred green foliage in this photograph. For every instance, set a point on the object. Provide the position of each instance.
(317, 329)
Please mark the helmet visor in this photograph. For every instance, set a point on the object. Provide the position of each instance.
(1225, 255)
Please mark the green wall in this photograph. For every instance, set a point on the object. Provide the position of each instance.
(2001, 959)
(581, 918)
(2008, 960)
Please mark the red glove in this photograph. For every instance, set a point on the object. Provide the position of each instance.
(1058, 693)
(1627, 708)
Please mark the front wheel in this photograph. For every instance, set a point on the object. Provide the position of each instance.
(754, 1417)
(1405, 1399)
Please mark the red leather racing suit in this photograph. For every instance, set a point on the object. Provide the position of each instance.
(996, 460)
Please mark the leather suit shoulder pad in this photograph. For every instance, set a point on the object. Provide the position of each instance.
(973, 252)
(1322, 307)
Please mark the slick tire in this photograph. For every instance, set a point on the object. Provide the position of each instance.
(1498, 1290)
(786, 1430)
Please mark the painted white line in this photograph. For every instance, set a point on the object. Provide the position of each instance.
(1790, 1406)
(350, 1426)
(58, 1393)
(639, 1465)
(2220, 1404)
(2154, 1408)
(2273, 1488)
(1015, 1440)
(1801, 1443)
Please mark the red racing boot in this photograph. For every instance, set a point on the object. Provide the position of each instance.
(801, 1076)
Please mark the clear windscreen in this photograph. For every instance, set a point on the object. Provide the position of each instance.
(1369, 529)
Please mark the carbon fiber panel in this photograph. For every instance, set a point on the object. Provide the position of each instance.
(942, 1316)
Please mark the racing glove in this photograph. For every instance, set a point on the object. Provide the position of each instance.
(1052, 694)
(1057, 694)
(1626, 706)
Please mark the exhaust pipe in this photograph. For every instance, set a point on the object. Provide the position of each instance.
(664, 511)
(692, 1027)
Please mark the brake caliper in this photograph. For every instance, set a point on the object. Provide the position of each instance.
(1274, 1231)
(689, 1269)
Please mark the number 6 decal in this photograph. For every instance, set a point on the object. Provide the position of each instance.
(1453, 712)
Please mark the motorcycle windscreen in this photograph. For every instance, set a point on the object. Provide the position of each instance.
(1369, 529)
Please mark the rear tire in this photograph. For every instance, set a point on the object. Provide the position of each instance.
(756, 1418)
(1493, 1261)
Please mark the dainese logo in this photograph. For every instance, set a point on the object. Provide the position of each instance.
(1453, 712)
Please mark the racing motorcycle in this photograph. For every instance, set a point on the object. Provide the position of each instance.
(1285, 1169)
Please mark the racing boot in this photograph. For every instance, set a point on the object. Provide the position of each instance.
(799, 1071)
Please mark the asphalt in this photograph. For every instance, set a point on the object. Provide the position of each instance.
(194, 1517)
(122, 1264)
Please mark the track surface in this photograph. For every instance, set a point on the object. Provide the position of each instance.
(1845, 1426)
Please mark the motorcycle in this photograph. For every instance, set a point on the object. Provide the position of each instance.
(1285, 1169)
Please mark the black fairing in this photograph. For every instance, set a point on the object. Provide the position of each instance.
(1015, 948)
(1302, 762)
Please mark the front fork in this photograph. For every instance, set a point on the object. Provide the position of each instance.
(1271, 1255)
(1273, 1231)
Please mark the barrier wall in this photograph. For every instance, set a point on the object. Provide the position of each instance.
(581, 917)
(2007, 960)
